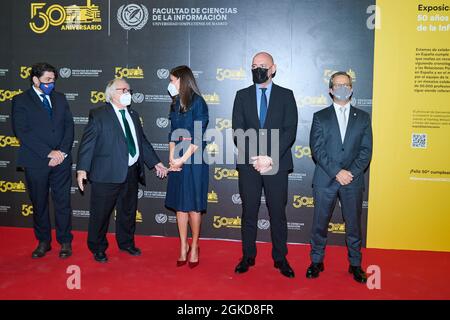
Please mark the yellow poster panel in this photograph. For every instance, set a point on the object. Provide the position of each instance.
(409, 200)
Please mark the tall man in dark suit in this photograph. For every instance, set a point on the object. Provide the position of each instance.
(42, 121)
(341, 145)
(111, 156)
(268, 113)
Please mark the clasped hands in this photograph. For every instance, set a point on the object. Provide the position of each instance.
(262, 164)
(161, 172)
(176, 164)
(344, 177)
(56, 158)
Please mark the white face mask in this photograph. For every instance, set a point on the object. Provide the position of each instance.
(125, 99)
(172, 89)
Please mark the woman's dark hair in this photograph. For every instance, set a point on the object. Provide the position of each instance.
(38, 69)
(188, 86)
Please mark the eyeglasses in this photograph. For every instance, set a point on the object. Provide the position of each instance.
(125, 90)
(340, 85)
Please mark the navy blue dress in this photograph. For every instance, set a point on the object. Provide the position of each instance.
(187, 190)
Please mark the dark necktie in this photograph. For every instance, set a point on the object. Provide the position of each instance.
(129, 136)
(46, 104)
(263, 107)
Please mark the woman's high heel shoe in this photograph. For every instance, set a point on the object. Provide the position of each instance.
(181, 263)
(194, 264)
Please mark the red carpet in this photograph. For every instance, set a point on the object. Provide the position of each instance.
(404, 274)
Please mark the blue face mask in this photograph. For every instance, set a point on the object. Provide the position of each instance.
(342, 93)
(47, 88)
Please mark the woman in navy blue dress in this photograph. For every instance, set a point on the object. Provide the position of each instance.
(187, 188)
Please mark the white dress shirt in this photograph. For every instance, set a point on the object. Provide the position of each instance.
(342, 126)
(40, 97)
(131, 160)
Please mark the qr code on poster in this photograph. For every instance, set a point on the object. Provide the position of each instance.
(419, 140)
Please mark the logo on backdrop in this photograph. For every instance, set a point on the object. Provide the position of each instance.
(302, 151)
(226, 222)
(8, 186)
(223, 74)
(138, 97)
(302, 201)
(338, 228)
(162, 122)
(27, 209)
(70, 18)
(67, 73)
(132, 16)
(161, 218)
(263, 224)
(130, 73)
(213, 197)
(225, 173)
(236, 198)
(98, 96)
(8, 94)
(163, 73)
(9, 141)
(25, 72)
(211, 98)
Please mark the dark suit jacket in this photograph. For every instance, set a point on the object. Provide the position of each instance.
(103, 150)
(282, 115)
(331, 155)
(38, 134)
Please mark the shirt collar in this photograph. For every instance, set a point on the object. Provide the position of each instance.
(116, 109)
(269, 87)
(37, 91)
(337, 107)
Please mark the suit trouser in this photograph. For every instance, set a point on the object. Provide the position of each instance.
(106, 196)
(275, 187)
(59, 180)
(325, 199)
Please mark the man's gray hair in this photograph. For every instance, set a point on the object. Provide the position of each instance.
(111, 88)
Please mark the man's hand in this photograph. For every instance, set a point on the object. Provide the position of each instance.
(57, 155)
(81, 177)
(161, 170)
(344, 177)
(53, 163)
(262, 164)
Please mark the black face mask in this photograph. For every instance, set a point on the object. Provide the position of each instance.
(260, 75)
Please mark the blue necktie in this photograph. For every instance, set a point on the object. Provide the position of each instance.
(263, 107)
(46, 104)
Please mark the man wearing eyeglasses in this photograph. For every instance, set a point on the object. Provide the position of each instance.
(341, 146)
(266, 110)
(112, 154)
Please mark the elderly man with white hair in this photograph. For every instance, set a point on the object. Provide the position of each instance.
(111, 157)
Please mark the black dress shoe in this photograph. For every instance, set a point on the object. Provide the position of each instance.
(358, 274)
(244, 264)
(314, 270)
(132, 250)
(66, 250)
(284, 268)
(101, 257)
(42, 248)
